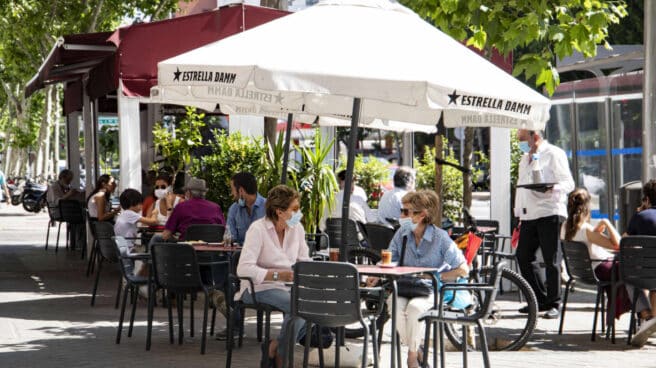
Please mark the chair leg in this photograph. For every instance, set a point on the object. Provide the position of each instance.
(95, 284)
(568, 285)
(170, 310)
(464, 345)
(441, 342)
(338, 347)
(632, 323)
(58, 230)
(135, 291)
(366, 344)
(259, 326)
(203, 340)
(318, 337)
(308, 338)
(118, 292)
(596, 314)
(241, 325)
(374, 342)
(213, 321)
(602, 307)
(180, 299)
(191, 314)
(483, 337)
(427, 328)
(120, 320)
(48, 234)
(265, 344)
(92, 257)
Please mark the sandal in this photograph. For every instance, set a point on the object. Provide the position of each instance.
(420, 357)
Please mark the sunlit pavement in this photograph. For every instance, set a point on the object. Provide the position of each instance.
(47, 321)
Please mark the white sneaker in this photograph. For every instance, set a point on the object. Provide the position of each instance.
(646, 330)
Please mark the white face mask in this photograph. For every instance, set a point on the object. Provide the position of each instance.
(160, 193)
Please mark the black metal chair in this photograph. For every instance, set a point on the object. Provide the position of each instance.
(176, 270)
(72, 212)
(334, 231)
(579, 268)
(106, 252)
(379, 236)
(54, 216)
(328, 294)
(317, 242)
(211, 233)
(263, 314)
(638, 268)
(132, 283)
(488, 293)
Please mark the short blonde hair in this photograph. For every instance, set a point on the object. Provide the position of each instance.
(424, 199)
(279, 197)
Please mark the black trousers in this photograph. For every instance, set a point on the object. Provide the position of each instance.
(542, 233)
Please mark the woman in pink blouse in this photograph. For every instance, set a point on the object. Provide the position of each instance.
(271, 247)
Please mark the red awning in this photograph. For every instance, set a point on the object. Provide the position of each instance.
(138, 48)
(70, 58)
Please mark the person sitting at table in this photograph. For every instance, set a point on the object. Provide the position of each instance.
(249, 205)
(599, 239)
(148, 191)
(272, 246)
(99, 201)
(126, 221)
(61, 189)
(427, 245)
(644, 223)
(165, 199)
(389, 206)
(194, 210)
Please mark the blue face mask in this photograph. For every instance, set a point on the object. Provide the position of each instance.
(407, 224)
(241, 202)
(295, 219)
(524, 146)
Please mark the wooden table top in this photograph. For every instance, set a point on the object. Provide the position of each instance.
(393, 271)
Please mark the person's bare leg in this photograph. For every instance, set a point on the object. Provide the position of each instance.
(412, 359)
(652, 301)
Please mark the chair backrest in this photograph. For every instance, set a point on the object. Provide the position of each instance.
(175, 267)
(334, 231)
(489, 239)
(489, 297)
(326, 293)
(54, 212)
(379, 236)
(121, 248)
(71, 211)
(578, 262)
(211, 233)
(362, 255)
(104, 231)
(317, 241)
(638, 261)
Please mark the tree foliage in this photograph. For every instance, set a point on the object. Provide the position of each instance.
(543, 30)
(175, 141)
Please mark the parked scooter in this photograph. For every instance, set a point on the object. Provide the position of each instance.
(34, 197)
(15, 187)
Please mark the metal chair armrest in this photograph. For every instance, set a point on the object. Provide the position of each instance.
(138, 256)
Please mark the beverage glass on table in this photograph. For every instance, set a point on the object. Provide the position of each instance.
(334, 254)
(385, 257)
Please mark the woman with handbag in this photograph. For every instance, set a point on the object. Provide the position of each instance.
(420, 243)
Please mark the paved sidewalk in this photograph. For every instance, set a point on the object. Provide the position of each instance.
(46, 320)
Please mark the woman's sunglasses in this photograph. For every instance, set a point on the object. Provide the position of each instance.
(160, 187)
(406, 211)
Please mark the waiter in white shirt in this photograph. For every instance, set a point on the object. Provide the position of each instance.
(541, 212)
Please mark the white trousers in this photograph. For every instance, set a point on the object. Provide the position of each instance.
(407, 319)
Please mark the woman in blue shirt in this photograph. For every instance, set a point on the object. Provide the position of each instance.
(427, 246)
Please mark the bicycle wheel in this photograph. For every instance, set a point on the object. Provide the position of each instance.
(506, 328)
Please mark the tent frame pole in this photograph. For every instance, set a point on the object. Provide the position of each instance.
(285, 161)
(348, 183)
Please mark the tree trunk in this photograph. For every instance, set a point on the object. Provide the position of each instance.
(439, 149)
(57, 116)
(44, 132)
(467, 186)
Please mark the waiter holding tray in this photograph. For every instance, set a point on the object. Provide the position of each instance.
(543, 184)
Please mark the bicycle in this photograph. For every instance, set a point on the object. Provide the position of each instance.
(506, 328)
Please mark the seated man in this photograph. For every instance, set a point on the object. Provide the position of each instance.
(61, 189)
(389, 206)
(194, 210)
(249, 205)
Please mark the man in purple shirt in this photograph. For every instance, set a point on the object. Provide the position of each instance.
(194, 210)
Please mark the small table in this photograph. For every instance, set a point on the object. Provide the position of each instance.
(394, 273)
